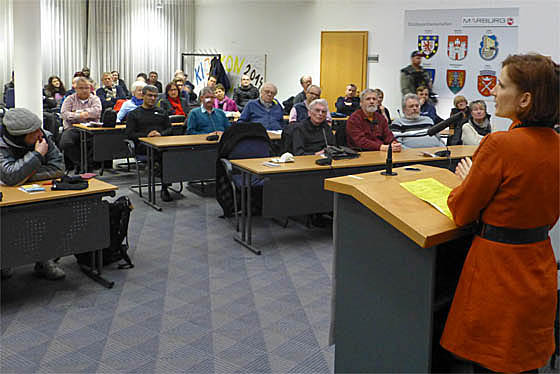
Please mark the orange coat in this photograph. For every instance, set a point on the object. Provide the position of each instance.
(502, 315)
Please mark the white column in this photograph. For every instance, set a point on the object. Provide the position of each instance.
(27, 55)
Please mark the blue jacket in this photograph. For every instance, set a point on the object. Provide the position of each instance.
(200, 122)
(428, 110)
(271, 119)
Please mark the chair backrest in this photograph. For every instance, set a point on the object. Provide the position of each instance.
(250, 147)
(340, 132)
(177, 118)
(287, 138)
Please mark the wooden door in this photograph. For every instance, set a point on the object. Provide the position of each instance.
(343, 61)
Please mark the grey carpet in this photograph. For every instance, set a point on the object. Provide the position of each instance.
(196, 301)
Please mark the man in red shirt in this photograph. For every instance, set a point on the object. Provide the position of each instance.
(366, 129)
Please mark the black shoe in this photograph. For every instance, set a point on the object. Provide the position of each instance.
(165, 196)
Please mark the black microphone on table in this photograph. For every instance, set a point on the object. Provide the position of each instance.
(328, 159)
(389, 162)
(441, 126)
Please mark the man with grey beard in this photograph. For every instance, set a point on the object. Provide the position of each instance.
(367, 129)
(412, 128)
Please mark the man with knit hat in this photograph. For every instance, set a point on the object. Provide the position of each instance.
(27, 154)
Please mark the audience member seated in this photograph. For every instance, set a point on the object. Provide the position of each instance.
(223, 102)
(28, 154)
(86, 73)
(212, 81)
(82, 106)
(153, 80)
(456, 128)
(117, 81)
(245, 92)
(142, 77)
(413, 75)
(305, 82)
(7, 86)
(413, 127)
(70, 91)
(380, 108)
(147, 120)
(313, 134)
(109, 93)
(264, 110)
(55, 89)
(134, 102)
(427, 109)
(172, 103)
(185, 91)
(350, 102)
(478, 125)
(299, 111)
(207, 119)
(366, 129)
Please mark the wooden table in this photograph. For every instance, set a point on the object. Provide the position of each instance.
(296, 188)
(107, 142)
(45, 225)
(384, 274)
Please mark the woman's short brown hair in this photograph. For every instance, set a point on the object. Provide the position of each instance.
(220, 86)
(538, 75)
(458, 99)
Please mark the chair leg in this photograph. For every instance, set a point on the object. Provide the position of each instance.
(128, 164)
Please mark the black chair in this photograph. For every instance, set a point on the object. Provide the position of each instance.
(9, 98)
(339, 128)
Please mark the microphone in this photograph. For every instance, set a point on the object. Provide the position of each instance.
(445, 124)
(389, 163)
(212, 137)
(399, 112)
(328, 160)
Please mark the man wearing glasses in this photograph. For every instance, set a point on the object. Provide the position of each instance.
(312, 135)
(264, 110)
(299, 111)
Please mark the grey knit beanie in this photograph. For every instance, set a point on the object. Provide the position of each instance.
(21, 121)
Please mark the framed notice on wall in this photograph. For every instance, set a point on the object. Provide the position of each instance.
(464, 48)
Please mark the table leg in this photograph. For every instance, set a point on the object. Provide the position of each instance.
(94, 271)
(151, 181)
(246, 221)
(83, 152)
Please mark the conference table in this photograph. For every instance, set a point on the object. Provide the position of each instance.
(107, 142)
(183, 158)
(294, 189)
(44, 225)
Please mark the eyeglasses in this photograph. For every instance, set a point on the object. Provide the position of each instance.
(269, 92)
(320, 111)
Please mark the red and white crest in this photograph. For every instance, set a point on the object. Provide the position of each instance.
(457, 47)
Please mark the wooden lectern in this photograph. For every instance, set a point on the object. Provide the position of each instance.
(384, 280)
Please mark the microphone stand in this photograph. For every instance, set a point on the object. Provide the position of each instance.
(389, 163)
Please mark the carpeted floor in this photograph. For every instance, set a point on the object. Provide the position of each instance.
(196, 301)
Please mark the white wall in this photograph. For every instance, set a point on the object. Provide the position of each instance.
(289, 32)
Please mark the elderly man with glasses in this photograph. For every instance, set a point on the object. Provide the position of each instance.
(313, 134)
(265, 110)
(299, 111)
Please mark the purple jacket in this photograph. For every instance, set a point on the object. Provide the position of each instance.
(227, 105)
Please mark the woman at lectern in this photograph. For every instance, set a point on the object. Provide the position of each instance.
(502, 316)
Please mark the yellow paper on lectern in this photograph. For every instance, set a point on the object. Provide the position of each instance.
(431, 191)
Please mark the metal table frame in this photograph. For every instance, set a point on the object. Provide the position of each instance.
(107, 144)
(298, 193)
(44, 230)
(180, 164)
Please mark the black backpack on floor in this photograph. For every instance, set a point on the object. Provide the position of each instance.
(119, 216)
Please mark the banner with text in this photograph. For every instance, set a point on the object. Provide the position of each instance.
(235, 65)
(464, 48)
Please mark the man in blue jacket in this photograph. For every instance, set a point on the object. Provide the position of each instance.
(264, 110)
(109, 93)
(206, 119)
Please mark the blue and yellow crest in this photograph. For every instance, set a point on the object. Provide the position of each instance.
(428, 45)
(488, 47)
